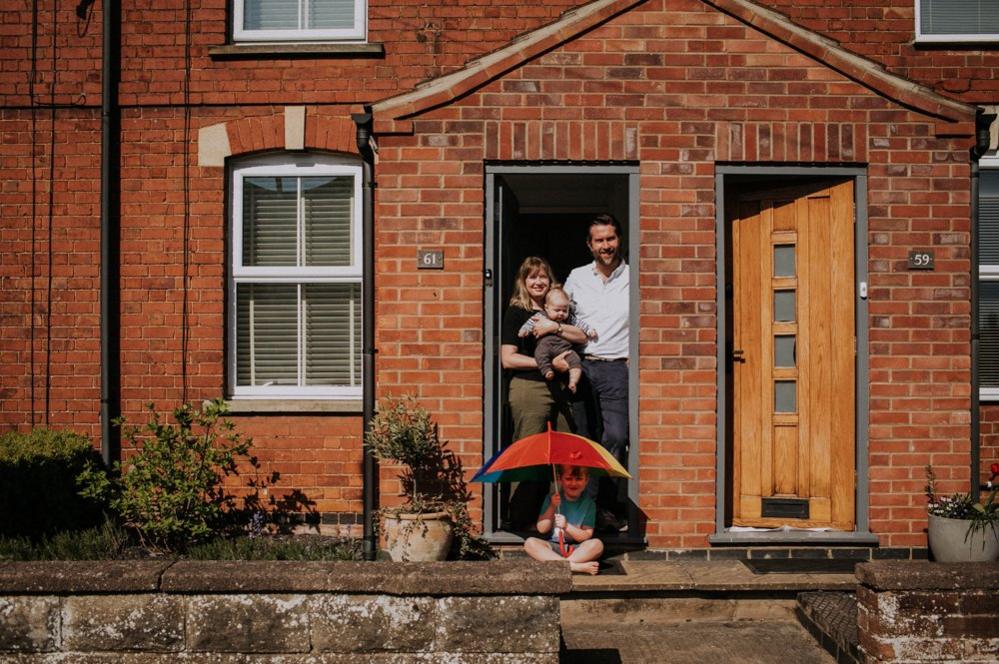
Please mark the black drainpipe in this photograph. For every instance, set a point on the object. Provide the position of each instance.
(363, 122)
(983, 123)
(110, 176)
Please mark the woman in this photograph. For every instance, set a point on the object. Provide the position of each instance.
(533, 401)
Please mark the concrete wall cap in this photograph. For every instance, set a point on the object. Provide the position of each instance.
(924, 575)
(498, 577)
(81, 576)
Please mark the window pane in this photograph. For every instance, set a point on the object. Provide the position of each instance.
(266, 334)
(785, 397)
(784, 306)
(959, 17)
(784, 350)
(988, 326)
(330, 14)
(328, 203)
(270, 213)
(270, 14)
(784, 260)
(333, 334)
(988, 217)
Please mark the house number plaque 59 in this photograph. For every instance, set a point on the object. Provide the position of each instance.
(921, 259)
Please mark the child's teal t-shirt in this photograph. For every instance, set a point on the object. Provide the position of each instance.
(581, 513)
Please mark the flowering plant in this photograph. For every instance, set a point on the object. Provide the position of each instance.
(980, 516)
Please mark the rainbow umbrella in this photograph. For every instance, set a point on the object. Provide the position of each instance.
(532, 458)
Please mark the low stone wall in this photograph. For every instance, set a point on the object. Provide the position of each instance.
(288, 612)
(928, 612)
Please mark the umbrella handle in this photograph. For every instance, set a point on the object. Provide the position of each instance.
(558, 508)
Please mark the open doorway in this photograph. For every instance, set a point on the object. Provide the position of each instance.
(545, 210)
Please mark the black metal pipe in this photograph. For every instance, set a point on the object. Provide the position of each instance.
(983, 139)
(110, 151)
(370, 481)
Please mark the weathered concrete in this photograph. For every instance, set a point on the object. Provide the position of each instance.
(245, 612)
(123, 622)
(45, 577)
(928, 612)
(29, 623)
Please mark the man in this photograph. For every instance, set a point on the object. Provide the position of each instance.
(599, 291)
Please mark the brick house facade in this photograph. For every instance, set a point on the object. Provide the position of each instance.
(673, 93)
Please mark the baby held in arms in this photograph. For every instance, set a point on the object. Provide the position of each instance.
(558, 309)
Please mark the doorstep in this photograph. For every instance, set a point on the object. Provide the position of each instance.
(729, 577)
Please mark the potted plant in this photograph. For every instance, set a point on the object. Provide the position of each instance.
(959, 529)
(435, 511)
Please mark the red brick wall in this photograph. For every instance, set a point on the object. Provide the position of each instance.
(884, 31)
(49, 277)
(675, 92)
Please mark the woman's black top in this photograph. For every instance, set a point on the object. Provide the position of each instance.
(513, 319)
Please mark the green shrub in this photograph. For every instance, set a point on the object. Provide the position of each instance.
(171, 491)
(38, 483)
(107, 541)
(269, 548)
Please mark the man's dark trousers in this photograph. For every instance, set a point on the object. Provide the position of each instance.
(602, 410)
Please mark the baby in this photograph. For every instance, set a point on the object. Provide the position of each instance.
(558, 308)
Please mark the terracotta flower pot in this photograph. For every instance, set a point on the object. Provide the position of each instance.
(948, 543)
(418, 537)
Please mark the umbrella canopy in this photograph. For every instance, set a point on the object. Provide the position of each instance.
(532, 458)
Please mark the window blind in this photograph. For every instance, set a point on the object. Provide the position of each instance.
(958, 17)
(332, 334)
(270, 221)
(326, 206)
(298, 14)
(988, 327)
(988, 217)
(267, 334)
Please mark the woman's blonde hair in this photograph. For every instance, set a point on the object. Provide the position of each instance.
(521, 298)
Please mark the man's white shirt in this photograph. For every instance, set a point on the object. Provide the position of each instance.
(604, 306)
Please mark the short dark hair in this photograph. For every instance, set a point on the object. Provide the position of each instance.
(604, 220)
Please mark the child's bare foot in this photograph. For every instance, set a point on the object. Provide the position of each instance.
(549, 375)
(572, 386)
(591, 567)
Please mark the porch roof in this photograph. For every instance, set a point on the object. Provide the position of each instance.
(393, 114)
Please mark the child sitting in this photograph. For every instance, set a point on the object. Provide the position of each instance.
(558, 308)
(571, 514)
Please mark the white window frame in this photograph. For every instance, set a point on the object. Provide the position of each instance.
(931, 38)
(357, 33)
(988, 273)
(299, 165)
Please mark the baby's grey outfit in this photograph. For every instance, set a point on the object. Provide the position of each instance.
(551, 346)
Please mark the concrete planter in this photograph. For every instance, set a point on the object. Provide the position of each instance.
(950, 541)
(418, 537)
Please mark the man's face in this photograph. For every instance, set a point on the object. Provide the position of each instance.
(604, 244)
(573, 482)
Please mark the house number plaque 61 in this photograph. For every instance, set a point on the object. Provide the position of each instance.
(921, 259)
(429, 259)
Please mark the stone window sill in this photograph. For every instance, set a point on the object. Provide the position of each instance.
(295, 50)
(259, 406)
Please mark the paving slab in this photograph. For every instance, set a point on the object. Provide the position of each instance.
(704, 576)
(746, 642)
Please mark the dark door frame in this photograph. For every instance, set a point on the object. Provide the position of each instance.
(494, 277)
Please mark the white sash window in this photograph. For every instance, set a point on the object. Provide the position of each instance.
(299, 20)
(988, 279)
(957, 20)
(295, 286)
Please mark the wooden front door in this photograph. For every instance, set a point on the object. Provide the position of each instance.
(792, 358)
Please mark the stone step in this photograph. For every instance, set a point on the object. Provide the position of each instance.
(831, 617)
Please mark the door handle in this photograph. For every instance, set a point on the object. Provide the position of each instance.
(738, 355)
